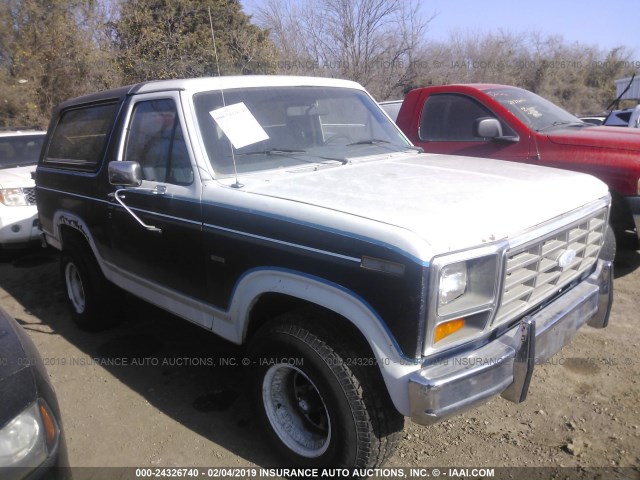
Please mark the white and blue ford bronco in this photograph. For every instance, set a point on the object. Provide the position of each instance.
(290, 214)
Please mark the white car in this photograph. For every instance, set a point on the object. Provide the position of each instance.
(391, 108)
(594, 119)
(19, 152)
(628, 117)
(634, 119)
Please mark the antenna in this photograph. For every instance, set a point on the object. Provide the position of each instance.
(224, 103)
(535, 142)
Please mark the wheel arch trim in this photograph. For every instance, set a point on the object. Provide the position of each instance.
(64, 219)
(394, 366)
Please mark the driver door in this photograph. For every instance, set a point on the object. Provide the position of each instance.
(447, 126)
(169, 262)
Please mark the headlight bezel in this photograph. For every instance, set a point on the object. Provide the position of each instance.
(477, 304)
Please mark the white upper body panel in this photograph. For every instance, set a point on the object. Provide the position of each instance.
(448, 202)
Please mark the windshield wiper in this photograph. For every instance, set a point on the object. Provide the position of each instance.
(342, 161)
(563, 124)
(415, 149)
(329, 161)
(273, 151)
(372, 141)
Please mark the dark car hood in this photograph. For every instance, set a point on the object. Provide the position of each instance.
(18, 361)
(620, 138)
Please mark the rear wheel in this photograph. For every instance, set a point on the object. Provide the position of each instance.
(321, 402)
(87, 290)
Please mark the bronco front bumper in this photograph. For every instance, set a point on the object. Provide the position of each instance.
(505, 365)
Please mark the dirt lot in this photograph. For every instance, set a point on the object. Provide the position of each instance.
(128, 397)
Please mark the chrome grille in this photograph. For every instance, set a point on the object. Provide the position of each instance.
(536, 271)
(30, 195)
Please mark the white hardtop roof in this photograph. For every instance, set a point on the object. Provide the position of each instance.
(244, 81)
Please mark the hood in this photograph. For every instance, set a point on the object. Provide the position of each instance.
(20, 357)
(17, 177)
(620, 138)
(450, 202)
(17, 348)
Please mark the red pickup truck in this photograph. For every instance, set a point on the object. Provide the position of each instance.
(509, 123)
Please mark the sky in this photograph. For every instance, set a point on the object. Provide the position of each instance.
(605, 24)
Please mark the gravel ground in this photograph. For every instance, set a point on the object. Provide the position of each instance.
(130, 398)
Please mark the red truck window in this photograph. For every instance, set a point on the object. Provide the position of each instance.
(450, 117)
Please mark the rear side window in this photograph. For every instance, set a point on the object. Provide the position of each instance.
(451, 118)
(80, 137)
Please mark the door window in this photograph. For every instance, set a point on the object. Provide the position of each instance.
(450, 118)
(156, 141)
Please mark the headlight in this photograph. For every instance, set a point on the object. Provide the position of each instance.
(464, 290)
(453, 282)
(13, 197)
(27, 441)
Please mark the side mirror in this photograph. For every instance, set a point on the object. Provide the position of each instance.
(487, 128)
(491, 129)
(127, 174)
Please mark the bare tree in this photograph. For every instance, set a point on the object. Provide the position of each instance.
(369, 41)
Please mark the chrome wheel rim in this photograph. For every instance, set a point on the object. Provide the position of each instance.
(296, 410)
(75, 290)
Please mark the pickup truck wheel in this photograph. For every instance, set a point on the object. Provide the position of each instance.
(319, 409)
(85, 288)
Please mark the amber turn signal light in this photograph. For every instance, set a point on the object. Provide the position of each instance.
(50, 428)
(447, 328)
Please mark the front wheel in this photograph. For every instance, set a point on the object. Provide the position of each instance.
(87, 290)
(319, 403)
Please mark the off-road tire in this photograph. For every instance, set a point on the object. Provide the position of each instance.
(295, 353)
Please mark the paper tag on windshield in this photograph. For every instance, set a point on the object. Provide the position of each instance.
(239, 125)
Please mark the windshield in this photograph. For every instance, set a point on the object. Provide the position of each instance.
(281, 127)
(532, 109)
(20, 150)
